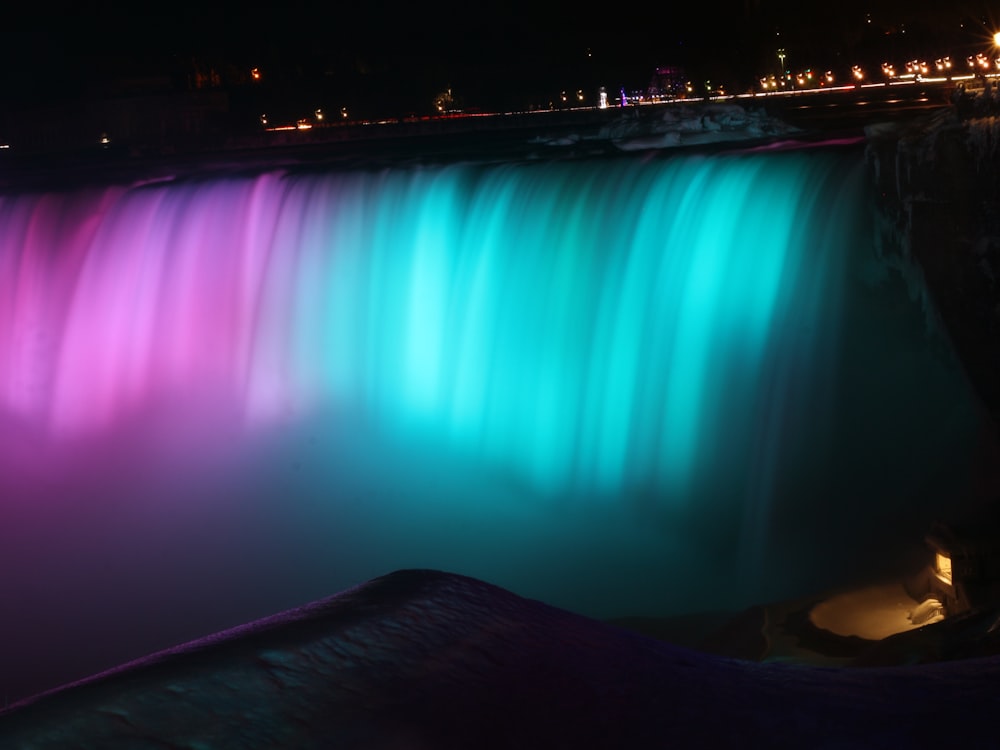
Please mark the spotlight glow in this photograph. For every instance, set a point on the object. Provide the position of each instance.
(635, 384)
(581, 327)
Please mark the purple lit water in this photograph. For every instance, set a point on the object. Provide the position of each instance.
(620, 385)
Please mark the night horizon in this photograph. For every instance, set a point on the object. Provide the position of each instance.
(386, 61)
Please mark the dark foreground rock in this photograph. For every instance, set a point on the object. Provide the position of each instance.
(422, 659)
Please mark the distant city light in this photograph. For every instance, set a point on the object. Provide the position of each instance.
(791, 79)
(980, 59)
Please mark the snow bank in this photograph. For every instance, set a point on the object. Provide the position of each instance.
(433, 660)
(690, 124)
(680, 124)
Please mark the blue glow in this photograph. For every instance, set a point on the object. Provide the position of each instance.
(621, 385)
(585, 326)
(588, 328)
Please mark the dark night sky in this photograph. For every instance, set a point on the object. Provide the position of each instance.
(487, 51)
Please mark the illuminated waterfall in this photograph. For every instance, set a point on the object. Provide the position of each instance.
(624, 385)
(584, 326)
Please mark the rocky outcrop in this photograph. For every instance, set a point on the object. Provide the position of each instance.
(938, 194)
(425, 659)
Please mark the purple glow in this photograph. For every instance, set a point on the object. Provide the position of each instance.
(226, 395)
(121, 297)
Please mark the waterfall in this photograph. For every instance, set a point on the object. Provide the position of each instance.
(620, 384)
(586, 326)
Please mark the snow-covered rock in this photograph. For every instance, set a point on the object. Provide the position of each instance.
(685, 123)
(422, 659)
(695, 123)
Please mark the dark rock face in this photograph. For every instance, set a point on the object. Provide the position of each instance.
(421, 659)
(939, 187)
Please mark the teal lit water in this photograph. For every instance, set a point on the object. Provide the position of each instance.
(621, 385)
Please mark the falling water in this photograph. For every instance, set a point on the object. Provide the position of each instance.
(586, 328)
(613, 384)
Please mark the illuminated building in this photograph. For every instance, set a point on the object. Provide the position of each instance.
(668, 82)
(964, 574)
